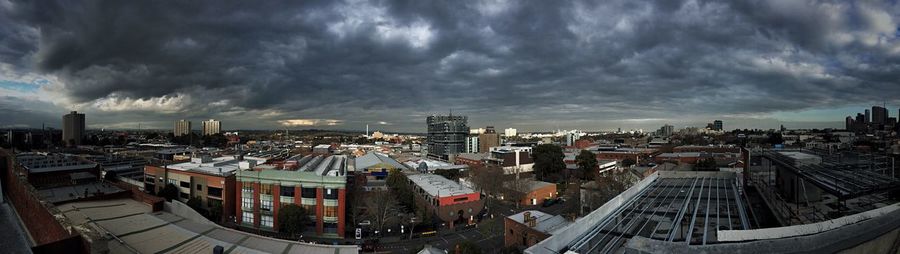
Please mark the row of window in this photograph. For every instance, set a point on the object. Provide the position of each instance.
(288, 191)
(264, 220)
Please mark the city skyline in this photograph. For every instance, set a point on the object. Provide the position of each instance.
(342, 65)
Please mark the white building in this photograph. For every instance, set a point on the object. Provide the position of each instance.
(211, 127)
(510, 132)
(182, 127)
(472, 144)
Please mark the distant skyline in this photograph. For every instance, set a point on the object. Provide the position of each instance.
(538, 66)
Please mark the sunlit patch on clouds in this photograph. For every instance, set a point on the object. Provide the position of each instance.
(164, 104)
(309, 122)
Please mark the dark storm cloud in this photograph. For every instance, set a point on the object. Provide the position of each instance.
(505, 63)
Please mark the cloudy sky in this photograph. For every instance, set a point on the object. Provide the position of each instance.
(531, 65)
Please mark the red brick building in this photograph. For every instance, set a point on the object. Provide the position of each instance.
(318, 185)
(210, 179)
(527, 228)
(450, 201)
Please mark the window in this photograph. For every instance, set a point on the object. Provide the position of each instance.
(330, 228)
(186, 184)
(331, 193)
(265, 221)
(213, 191)
(185, 195)
(200, 187)
(265, 189)
(330, 211)
(247, 218)
(247, 188)
(172, 182)
(460, 199)
(265, 204)
(287, 191)
(247, 202)
(308, 192)
(310, 209)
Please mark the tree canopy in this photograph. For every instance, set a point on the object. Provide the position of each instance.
(548, 161)
(587, 163)
(292, 219)
(169, 192)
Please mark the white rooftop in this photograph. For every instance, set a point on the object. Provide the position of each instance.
(438, 186)
(545, 222)
(217, 166)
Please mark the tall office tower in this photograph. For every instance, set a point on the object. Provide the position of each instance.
(472, 144)
(879, 115)
(490, 138)
(848, 122)
(860, 118)
(73, 128)
(666, 130)
(718, 125)
(211, 127)
(868, 118)
(446, 135)
(512, 132)
(182, 127)
(571, 138)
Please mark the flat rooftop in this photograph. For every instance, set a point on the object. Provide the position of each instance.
(438, 186)
(45, 163)
(73, 192)
(143, 231)
(685, 207)
(215, 166)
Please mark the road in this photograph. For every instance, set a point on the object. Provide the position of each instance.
(488, 235)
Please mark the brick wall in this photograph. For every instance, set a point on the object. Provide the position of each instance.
(40, 223)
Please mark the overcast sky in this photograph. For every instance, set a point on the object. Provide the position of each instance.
(531, 65)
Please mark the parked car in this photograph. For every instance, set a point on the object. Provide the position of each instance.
(550, 202)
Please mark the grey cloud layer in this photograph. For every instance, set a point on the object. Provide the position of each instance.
(503, 62)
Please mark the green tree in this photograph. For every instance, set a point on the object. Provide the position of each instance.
(400, 188)
(587, 163)
(215, 211)
(468, 247)
(708, 164)
(548, 161)
(169, 192)
(196, 204)
(628, 162)
(292, 219)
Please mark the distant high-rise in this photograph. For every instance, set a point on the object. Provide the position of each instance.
(665, 130)
(868, 118)
(446, 135)
(879, 115)
(510, 132)
(490, 138)
(718, 125)
(73, 128)
(182, 127)
(571, 137)
(472, 144)
(848, 122)
(211, 127)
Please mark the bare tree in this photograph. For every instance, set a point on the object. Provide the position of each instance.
(517, 188)
(487, 179)
(382, 208)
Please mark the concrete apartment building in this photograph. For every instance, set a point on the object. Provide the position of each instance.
(210, 179)
(211, 127)
(73, 128)
(317, 183)
(446, 136)
(182, 127)
(451, 202)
